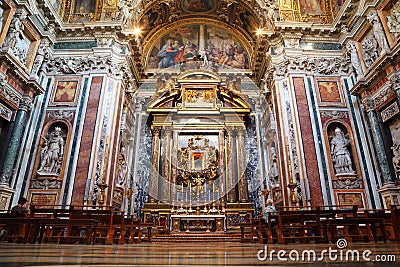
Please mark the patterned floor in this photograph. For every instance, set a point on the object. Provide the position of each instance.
(189, 254)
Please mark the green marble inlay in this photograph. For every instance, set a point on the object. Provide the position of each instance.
(320, 46)
(75, 45)
(37, 19)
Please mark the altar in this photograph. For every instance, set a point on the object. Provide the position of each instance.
(208, 223)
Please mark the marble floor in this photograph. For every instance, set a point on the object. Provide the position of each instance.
(194, 254)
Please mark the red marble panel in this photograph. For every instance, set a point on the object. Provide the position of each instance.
(86, 141)
(309, 156)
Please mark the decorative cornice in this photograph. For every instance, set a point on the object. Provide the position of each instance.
(82, 65)
(321, 66)
(60, 114)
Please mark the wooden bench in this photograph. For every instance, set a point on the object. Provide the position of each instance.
(298, 223)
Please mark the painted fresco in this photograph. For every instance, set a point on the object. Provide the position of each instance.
(311, 7)
(84, 6)
(198, 5)
(66, 91)
(186, 44)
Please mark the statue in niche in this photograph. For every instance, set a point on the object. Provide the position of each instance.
(378, 31)
(40, 56)
(273, 171)
(126, 12)
(354, 59)
(393, 21)
(270, 14)
(371, 50)
(122, 168)
(1, 18)
(340, 153)
(16, 29)
(396, 159)
(52, 153)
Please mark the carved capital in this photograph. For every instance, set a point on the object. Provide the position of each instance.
(168, 131)
(368, 104)
(156, 131)
(26, 103)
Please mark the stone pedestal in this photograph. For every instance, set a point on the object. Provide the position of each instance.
(5, 196)
(390, 194)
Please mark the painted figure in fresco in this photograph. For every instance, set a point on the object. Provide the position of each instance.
(167, 55)
(340, 153)
(52, 153)
(311, 6)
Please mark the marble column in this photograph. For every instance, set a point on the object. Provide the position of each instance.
(174, 162)
(230, 171)
(241, 165)
(166, 174)
(155, 171)
(13, 146)
(379, 145)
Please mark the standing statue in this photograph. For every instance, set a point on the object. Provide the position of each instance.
(126, 12)
(40, 56)
(273, 171)
(52, 153)
(16, 29)
(340, 153)
(379, 33)
(1, 19)
(354, 59)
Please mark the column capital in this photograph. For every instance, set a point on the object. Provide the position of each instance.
(156, 131)
(368, 104)
(26, 103)
(167, 130)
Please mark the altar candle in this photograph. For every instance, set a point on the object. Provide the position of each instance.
(205, 189)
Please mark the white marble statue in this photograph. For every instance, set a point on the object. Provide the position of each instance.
(1, 18)
(126, 12)
(273, 171)
(16, 29)
(52, 153)
(40, 56)
(340, 153)
(355, 61)
(395, 132)
(379, 33)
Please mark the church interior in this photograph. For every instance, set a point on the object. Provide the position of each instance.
(190, 119)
